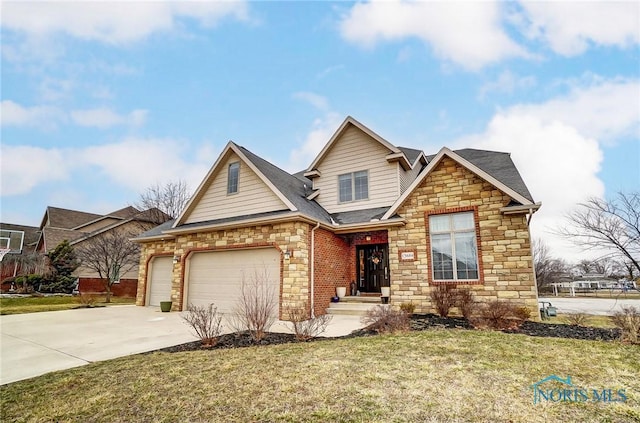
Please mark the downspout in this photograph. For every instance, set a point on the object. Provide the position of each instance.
(533, 260)
(313, 268)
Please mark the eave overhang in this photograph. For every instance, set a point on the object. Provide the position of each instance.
(521, 209)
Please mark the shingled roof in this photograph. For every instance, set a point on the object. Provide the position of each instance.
(292, 187)
(296, 189)
(66, 219)
(497, 164)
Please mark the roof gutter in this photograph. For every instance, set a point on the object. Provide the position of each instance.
(529, 209)
(239, 224)
(367, 226)
(346, 228)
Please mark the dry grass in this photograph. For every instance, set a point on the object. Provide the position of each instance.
(38, 304)
(440, 375)
(592, 320)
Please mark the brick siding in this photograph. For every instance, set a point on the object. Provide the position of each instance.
(125, 288)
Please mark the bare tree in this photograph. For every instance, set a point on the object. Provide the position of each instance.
(26, 264)
(110, 255)
(610, 226)
(170, 198)
(548, 269)
(257, 305)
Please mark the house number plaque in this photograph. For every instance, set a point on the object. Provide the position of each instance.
(407, 256)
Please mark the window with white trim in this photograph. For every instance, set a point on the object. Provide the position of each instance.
(353, 186)
(233, 175)
(454, 249)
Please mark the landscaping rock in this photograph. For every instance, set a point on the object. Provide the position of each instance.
(418, 322)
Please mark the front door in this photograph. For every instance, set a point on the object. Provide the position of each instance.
(372, 267)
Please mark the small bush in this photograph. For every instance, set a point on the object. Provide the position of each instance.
(305, 327)
(628, 320)
(386, 320)
(443, 298)
(205, 322)
(501, 315)
(87, 300)
(521, 314)
(257, 306)
(408, 308)
(578, 319)
(465, 301)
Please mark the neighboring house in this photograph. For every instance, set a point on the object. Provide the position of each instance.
(365, 211)
(21, 240)
(79, 227)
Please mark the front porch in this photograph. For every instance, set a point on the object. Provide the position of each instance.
(355, 305)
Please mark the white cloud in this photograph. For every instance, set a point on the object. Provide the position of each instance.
(571, 27)
(25, 167)
(316, 100)
(14, 114)
(507, 83)
(466, 33)
(138, 163)
(321, 131)
(133, 163)
(557, 147)
(113, 22)
(106, 118)
(604, 110)
(48, 117)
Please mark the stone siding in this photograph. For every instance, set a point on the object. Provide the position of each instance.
(504, 244)
(293, 237)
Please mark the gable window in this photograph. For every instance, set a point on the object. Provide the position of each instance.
(232, 178)
(454, 250)
(353, 186)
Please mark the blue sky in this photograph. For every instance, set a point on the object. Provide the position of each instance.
(102, 99)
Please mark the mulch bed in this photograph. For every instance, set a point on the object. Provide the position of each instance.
(418, 322)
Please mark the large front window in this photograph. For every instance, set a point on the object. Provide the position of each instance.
(454, 252)
(353, 186)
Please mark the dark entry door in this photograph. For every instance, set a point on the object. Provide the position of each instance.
(372, 267)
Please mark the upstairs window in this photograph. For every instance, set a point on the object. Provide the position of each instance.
(454, 251)
(233, 175)
(353, 186)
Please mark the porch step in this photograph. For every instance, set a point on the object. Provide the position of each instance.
(354, 306)
(369, 298)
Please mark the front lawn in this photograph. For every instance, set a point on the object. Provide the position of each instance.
(36, 304)
(427, 376)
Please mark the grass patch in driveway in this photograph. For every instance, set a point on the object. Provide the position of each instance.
(434, 375)
(22, 305)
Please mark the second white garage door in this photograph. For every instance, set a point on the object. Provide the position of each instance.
(216, 277)
(160, 280)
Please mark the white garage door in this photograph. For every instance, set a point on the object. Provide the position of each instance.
(160, 280)
(217, 277)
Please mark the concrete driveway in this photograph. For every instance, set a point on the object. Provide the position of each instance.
(38, 343)
(600, 306)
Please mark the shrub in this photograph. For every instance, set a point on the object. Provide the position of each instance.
(408, 308)
(256, 307)
(502, 315)
(628, 320)
(521, 314)
(28, 283)
(305, 327)
(87, 300)
(579, 319)
(205, 322)
(465, 301)
(443, 297)
(386, 320)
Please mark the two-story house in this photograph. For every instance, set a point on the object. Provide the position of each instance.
(364, 215)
